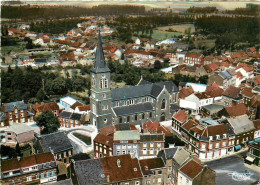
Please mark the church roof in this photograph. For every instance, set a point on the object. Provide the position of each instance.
(149, 89)
(100, 65)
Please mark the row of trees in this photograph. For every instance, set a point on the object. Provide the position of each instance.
(33, 85)
(202, 10)
(52, 12)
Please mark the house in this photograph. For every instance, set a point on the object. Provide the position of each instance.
(243, 129)
(135, 104)
(253, 154)
(70, 119)
(232, 96)
(154, 171)
(58, 143)
(17, 112)
(126, 139)
(257, 129)
(196, 173)
(156, 127)
(212, 109)
(52, 107)
(192, 59)
(173, 159)
(178, 119)
(67, 103)
(237, 110)
(109, 170)
(208, 141)
(35, 169)
(247, 95)
(3, 120)
(209, 60)
(224, 79)
(19, 133)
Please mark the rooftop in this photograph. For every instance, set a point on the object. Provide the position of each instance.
(19, 128)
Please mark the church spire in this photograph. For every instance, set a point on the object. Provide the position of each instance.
(100, 65)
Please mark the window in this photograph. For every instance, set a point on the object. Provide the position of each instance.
(137, 182)
(151, 114)
(143, 116)
(210, 146)
(69, 153)
(120, 120)
(48, 174)
(104, 96)
(105, 120)
(187, 181)
(128, 118)
(224, 136)
(105, 107)
(146, 99)
(124, 103)
(29, 178)
(158, 144)
(210, 138)
(117, 104)
(42, 175)
(151, 151)
(148, 182)
(26, 169)
(136, 117)
(118, 152)
(144, 151)
(151, 144)
(217, 136)
(34, 168)
(224, 144)
(9, 133)
(52, 173)
(163, 106)
(131, 102)
(217, 145)
(145, 145)
(159, 180)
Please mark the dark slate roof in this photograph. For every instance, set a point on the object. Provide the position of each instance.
(151, 137)
(76, 116)
(57, 141)
(90, 172)
(41, 60)
(167, 153)
(174, 108)
(150, 89)
(144, 82)
(125, 126)
(133, 109)
(65, 114)
(225, 75)
(100, 65)
(2, 117)
(9, 107)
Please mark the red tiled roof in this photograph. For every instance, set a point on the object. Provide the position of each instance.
(238, 54)
(156, 127)
(232, 92)
(246, 67)
(194, 55)
(257, 80)
(76, 104)
(8, 165)
(44, 157)
(192, 169)
(27, 161)
(107, 130)
(247, 92)
(47, 106)
(181, 116)
(76, 44)
(257, 124)
(188, 125)
(237, 110)
(209, 58)
(185, 92)
(68, 56)
(213, 66)
(104, 139)
(215, 130)
(239, 75)
(252, 49)
(84, 107)
(148, 164)
(129, 168)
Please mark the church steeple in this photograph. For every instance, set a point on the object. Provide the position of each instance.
(100, 65)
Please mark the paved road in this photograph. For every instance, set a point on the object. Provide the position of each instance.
(232, 171)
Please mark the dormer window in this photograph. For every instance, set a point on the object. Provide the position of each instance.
(146, 167)
(217, 136)
(135, 169)
(210, 138)
(118, 163)
(224, 135)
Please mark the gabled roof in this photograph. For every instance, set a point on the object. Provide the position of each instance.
(181, 116)
(155, 127)
(9, 107)
(19, 128)
(70, 115)
(148, 89)
(247, 92)
(133, 109)
(104, 139)
(232, 92)
(100, 65)
(127, 135)
(241, 124)
(215, 130)
(188, 125)
(148, 164)
(56, 141)
(225, 74)
(76, 104)
(128, 168)
(192, 169)
(237, 110)
(47, 106)
(90, 172)
(185, 92)
(84, 108)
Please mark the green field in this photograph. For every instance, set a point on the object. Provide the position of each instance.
(17, 48)
(208, 44)
(159, 35)
(83, 138)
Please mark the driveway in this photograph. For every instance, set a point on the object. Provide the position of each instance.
(232, 171)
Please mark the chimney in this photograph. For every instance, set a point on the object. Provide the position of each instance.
(108, 178)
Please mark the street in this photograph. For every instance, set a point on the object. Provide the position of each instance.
(232, 171)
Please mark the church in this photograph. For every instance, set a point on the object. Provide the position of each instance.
(136, 104)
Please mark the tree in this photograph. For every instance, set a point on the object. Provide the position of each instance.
(41, 95)
(47, 122)
(157, 64)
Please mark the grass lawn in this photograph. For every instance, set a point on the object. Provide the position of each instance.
(83, 138)
(179, 28)
(160, 35)
(18, 48)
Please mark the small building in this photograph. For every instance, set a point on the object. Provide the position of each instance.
(58, 143)
(3, 120)
(16, 112)
(52, 107)
(109, 170)
(253, 155)
(70, 119)
(67, 103)
(19, 133)
(35, 169)
(195, 173)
